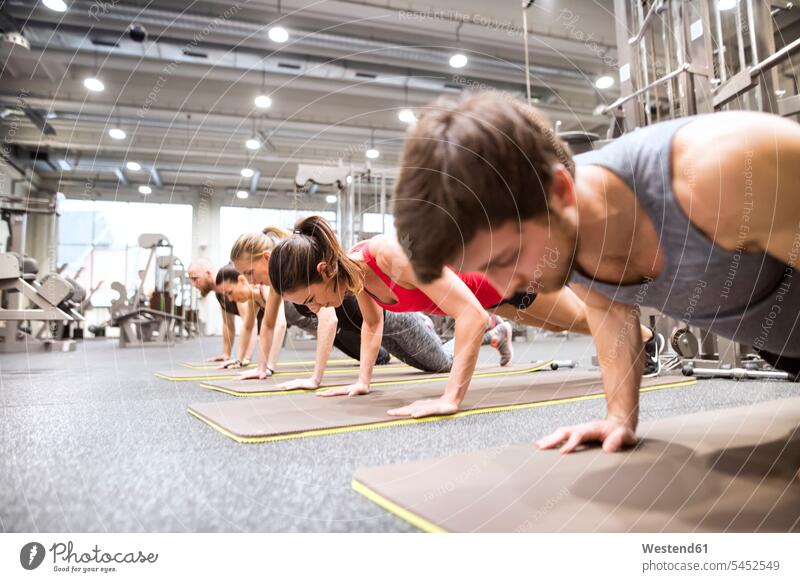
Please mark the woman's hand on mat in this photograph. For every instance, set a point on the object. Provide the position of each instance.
(256, 375)
(432, 407)
(230, 365)
(613, 433)
(299, 384)
(356, 389)
(218, 359)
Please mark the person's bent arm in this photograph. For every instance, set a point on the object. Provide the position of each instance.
(277, 336)
(327, 323)
(617, 337)
(561, 310)
(371, 338)
(271, 308)
(453, 297)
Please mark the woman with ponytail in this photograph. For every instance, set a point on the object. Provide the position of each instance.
(311, 268)
(339, 327)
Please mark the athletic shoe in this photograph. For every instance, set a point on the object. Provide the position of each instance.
(501, 341)
(652, 352)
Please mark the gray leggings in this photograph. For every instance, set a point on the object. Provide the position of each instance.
(410, 337)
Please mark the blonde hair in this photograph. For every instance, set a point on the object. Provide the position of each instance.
(252, 244)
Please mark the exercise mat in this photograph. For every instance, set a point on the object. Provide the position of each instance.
(284, 372)
(333, 378)
(212, 365)
(302, 415)
(732, 470)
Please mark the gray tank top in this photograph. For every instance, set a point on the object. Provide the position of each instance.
(747, 297)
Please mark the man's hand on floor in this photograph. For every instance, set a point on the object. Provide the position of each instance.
(431, 407)
(613, 433)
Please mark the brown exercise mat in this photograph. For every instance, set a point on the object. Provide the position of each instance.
(732, 470)
(382, 376)
(302, 415)
(283, 373)
(307, 363)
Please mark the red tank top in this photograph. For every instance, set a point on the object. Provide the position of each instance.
(413, 300)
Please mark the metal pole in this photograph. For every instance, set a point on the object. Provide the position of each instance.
(740, 49)
(628, 64)
(525, 45)
(383, 203)
(762, 45)
(721, 69)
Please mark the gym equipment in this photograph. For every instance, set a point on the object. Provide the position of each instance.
(157, 324)
(556, 364)
(737, 373)
(731, 470)
(54, 302)
(302, 415)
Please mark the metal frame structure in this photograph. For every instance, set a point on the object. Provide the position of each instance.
(696, 78)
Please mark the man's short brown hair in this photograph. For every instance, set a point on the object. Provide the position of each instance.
(472, 163)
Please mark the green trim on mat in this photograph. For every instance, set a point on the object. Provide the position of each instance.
(535, 368)
(392, 507)
(405, 421)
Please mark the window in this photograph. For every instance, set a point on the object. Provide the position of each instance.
(371, 223)
(98, 240)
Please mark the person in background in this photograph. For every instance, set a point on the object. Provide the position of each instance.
(202, 275)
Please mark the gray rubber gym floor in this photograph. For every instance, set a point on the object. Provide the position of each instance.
(92, 441)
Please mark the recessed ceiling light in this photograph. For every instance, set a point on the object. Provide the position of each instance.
(459, 61)
(278, 34)
(331, 198)
(133, 166)
(242, 194)
(349, 179)
(252, 144)
(604, 82)
(145, 190)
(407, 116)
(57, 5)
(117, 133)
(263, 102)
(247, 173)
(726, 4)
(372, 153)
(93, 84)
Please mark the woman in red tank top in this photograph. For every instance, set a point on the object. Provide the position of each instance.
(311, 268)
